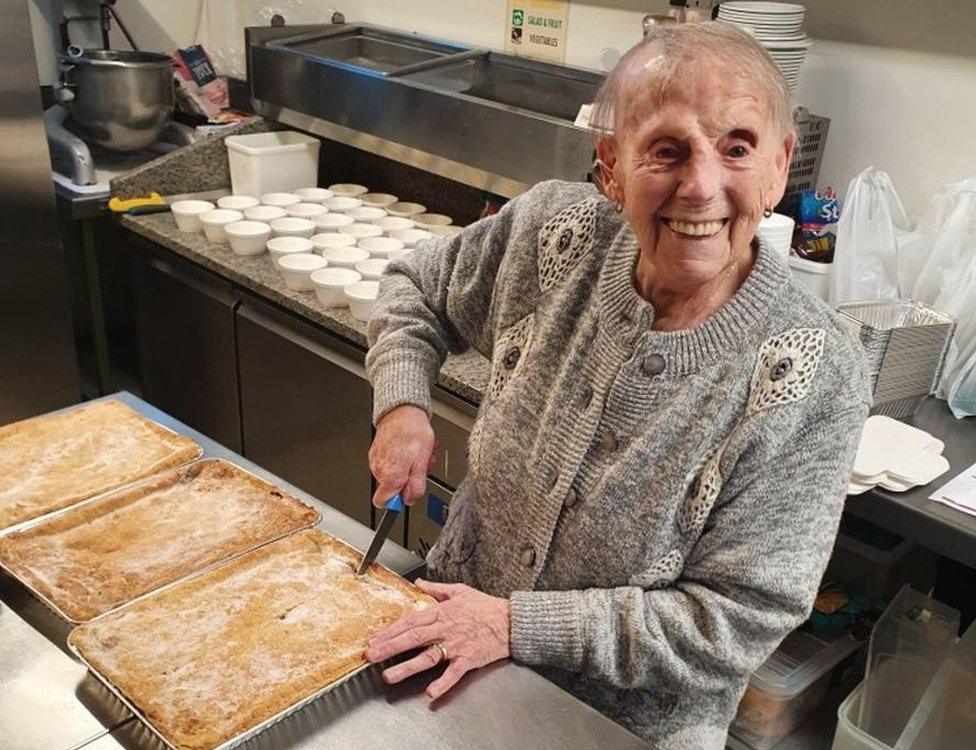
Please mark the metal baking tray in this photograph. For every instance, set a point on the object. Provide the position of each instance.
(235, 741)
(30, 521)
(27, 525)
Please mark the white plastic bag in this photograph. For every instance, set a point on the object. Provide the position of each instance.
(938, 267)
(871, 226)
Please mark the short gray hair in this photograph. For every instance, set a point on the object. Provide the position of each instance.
(681, 44)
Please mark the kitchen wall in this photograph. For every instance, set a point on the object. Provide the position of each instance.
(899, 103)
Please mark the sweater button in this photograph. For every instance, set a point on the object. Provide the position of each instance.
(608, 442)
(528, 557)
(511, 358)
(571, 497)
(653, 365)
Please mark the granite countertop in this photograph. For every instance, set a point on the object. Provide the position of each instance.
(464, 375)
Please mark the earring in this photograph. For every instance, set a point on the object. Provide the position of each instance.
(767, 211)
(618, 207)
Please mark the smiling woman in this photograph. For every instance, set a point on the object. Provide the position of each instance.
(660, 460)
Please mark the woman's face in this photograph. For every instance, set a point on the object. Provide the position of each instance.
(695, 172)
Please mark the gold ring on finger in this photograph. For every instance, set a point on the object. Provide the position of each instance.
(440, 647)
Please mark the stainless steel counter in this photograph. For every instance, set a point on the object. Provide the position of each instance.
(50, 702)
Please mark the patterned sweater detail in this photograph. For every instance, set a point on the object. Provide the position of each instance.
(658, 506)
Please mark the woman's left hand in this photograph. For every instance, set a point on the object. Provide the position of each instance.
(471, 627)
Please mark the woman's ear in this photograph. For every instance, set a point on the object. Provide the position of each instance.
(781, 164)
(606, 154)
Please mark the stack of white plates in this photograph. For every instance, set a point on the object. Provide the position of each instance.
(895, 456)
(778, 27)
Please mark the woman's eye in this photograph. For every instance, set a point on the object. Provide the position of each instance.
(667, 152)
(738, 151)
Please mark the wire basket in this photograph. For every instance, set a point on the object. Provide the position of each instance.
(906, 345)
(807, 155)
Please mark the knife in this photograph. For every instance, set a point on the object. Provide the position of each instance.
(390, 512)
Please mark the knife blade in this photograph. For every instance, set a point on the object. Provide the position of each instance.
(390, 512)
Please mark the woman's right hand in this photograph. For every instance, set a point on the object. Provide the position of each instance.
(401, 454)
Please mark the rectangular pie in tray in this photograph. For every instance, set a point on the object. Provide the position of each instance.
(105, 552)
(56, 460)
(211, 657)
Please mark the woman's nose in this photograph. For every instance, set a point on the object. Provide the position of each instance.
(700, 179)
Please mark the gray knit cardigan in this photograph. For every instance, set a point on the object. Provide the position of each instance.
(658, 506)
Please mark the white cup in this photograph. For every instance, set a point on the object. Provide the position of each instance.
(380, 247)
(214, 221)
(361, 296)
(326, 240)
(237, 202)
(313, 194)
(333, 222)
(267, 214)
(292, 226)
(344, 257)
(329, 283)
(187, 214)
(372, 269)
(297, 269)
(363, 230)
(306, 210)
(280, 199)
(342, 203)
(410, 237)
(279, 246)
(247, 237)
(346, 189)
(366, 214)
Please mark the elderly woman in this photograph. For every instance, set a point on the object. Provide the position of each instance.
(660, 459)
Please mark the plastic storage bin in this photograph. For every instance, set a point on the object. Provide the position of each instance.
(876, 563)
(788, 686)
(907, 645)
(847, 736)
(814, 276)
(278, 162)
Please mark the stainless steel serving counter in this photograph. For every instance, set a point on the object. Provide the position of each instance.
(50, 702)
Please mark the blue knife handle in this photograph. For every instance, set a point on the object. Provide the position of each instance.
(394, 504)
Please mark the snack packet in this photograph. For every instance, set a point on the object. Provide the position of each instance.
(815, 235)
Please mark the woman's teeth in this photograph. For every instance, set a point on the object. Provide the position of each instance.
(695, 228)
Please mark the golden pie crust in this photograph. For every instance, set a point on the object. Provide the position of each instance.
(108, 551)
(213, 656)
(50, 462)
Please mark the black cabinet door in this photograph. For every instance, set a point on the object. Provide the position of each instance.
(306, 407)
(187, 350)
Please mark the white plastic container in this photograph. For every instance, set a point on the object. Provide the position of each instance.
(329, 283)
(814, 276)
(272, 162)
(341, 204)
(280, 200)
(788, 686)
(297, 270)
(213, 223)
(349, 189)
(445, 231)
(361, 296)
(847, 736)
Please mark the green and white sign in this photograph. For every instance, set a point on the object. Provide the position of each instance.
(537, 28)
